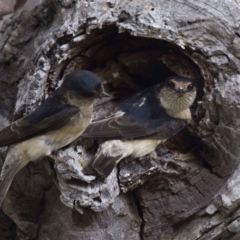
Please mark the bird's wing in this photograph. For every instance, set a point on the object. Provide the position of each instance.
(125, 128)
(139, 116)
(6, 181)
(45, 118)
(10, 168)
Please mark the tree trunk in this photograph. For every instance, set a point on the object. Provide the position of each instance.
(130, 45)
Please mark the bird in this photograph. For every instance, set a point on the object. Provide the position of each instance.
(57, 122)
(140, 123)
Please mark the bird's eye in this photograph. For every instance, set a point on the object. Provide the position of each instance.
(170, 84)
(190, 87)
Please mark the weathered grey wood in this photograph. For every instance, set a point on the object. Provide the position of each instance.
(130, 45)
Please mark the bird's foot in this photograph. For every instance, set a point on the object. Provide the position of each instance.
(166, 161)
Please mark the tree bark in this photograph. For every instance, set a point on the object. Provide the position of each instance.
(130, 45)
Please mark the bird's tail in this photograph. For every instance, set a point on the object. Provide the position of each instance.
(101, 164)
(6, 182)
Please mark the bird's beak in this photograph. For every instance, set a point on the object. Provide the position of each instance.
(180, 90)
(104, 94)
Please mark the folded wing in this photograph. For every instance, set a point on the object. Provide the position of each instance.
(125, 128)
(47, 117)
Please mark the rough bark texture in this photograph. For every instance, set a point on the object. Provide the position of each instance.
(130, 45)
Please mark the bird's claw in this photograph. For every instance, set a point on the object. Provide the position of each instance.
(165, 161)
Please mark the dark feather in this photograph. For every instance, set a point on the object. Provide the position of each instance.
(6, 182)
(143, 116)
(52, 114)
(101, 164)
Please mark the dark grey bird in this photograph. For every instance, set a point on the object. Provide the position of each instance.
(58, 121)
(141, 123)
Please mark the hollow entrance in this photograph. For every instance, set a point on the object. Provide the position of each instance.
(128, 64)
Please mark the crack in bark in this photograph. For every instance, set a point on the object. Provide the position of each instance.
(140, 213)
(199, 191)
(209, 230)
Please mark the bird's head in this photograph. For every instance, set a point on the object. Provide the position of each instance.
(178, 93)
(82, 84)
